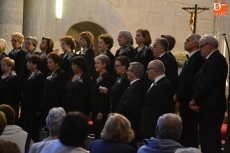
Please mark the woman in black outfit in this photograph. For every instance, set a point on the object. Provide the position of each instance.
(143, 53)
(46, 47)
(125, 40)
(31, 97)
(68, 45)
(53, 93)
(122, 83)
(104, 46)
(78, 89)
(100, 103)
(9, 85)
(86, 42)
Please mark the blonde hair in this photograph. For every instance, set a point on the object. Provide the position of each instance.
(19, 37)
(2, 46)
(9, 62)
(117, 128)
(89, 38)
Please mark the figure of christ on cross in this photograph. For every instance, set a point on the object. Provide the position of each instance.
(193, 16)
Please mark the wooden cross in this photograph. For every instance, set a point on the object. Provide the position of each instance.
(193, 12)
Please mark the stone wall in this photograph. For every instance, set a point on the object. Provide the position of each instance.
(158, 16)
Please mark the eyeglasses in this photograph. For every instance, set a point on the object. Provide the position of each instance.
(116, 66)
(201, 46)
(150, 69)
(129, 70)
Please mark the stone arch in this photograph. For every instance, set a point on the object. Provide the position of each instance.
(94, 28)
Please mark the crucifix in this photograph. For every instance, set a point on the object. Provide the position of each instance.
(194, 11)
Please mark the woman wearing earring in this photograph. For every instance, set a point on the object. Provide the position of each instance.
(104, 46)
(86, 42)
(100, 103)
(46, 47)
(78, 88)
(31, 97)
(53, 93)
(125, 40)
(9, 85)
(17, 54)
(122, 83)
(143, 53)
(68, 45)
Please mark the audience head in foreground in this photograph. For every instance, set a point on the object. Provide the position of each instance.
(168, 131)
(13, 132)
(2, 122)
(72, 134)
(53, 121)
(7, 146)
(116, 133)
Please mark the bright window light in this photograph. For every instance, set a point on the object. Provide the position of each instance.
(58, 9)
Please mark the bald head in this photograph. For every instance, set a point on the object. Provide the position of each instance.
(155, 68)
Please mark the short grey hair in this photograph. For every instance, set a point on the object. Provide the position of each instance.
(127, 36)
(104, 59)
(137, 68)
(164, 43)
(210, 39)
(196, 38)
(158, 66)
(33, 39)
(188, 150)
(54, 120)
(169, 126)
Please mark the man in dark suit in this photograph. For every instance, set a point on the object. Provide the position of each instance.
(130, 104)
(189, 136)
(209, 97)
(158, 99)
(159, 49)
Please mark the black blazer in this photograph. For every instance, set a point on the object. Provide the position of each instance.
(130, 104)
(54, 93)
(186, 79)
(89, 56)
(117, 90)
(44, 68)
(18, 58)
(171, 70)
(32, 91)
(158, 101)
(78, 94)
(100, 102)
(127, 51)
(65, 64)
(143, 57)
(10, 91)
(209, 87)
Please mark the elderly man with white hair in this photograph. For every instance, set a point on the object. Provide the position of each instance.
(53, 121)
(168, 131)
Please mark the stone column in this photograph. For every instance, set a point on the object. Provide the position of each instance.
(11, 12)
(34, 22)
